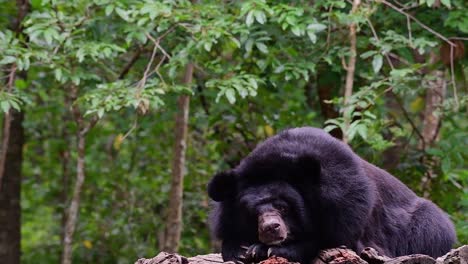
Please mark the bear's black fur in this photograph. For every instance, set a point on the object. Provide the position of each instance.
(332, 198)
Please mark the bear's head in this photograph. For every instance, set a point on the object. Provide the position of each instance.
(275, 211)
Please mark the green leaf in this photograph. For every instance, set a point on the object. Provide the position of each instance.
(100, 113)
(236, 42)
(76, 80)
(253, 83)
(5, 106)
(250, 18)
(8, 60)
(21, 84)
(262, 47)
(430, 3)
(230, 95)
(80, 55)
(207, 45)
(248, 45)
(48, 35)
(142, 21)
(446, 165)
(58, 74)
(362, 131)
(260, 17)
(296, 30)
(329, 128)
(377, 63)
(446, 3)
(312, 36)
(368, 54)
(316, 27)
(122, 13)
(15, 105)
(240, 90)
(109, 9)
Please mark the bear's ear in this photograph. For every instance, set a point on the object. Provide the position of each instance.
(309, 170)
(222, 186)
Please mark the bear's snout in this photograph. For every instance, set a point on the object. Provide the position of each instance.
(271, 228)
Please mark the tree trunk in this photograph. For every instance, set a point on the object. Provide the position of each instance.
(350, 68)
(174, 217)
(11, 160)
(435, 94)
(72, 216)
(10, 210)
(72, 213)
(65, 156)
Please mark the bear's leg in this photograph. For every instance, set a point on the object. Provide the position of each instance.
(297, 251)
(232, 251)
(430, 231)
(237, 251)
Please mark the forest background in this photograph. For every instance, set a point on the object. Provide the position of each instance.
(108, 105)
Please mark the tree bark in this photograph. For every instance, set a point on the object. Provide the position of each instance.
(11, 160)
(174, 217)
(435, 94)
(72, 216)
(5, 143)
(10, 210)
(65, 156)
(72, 213)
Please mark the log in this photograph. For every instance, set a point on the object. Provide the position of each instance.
(340, 255)
(455, 256)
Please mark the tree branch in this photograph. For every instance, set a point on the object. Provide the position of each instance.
(130, 64)
(405, 113)
(378, 39)
(399, 10)
(452, 73)
(350, 68)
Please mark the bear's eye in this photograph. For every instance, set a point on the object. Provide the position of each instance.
(282, 208)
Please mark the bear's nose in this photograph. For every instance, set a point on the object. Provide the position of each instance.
(272, 227)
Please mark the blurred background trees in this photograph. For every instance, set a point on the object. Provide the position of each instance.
(96, 86)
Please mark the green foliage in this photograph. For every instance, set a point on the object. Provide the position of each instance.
(9, 100)
(260, 67)
(243, 84)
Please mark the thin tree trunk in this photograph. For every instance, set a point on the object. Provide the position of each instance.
(72, 213)
(5, 142)
(72, 216)
(10, 210)
(435, 94)
(350, 68)
(65, 161)
(11, 160)
(174, 217)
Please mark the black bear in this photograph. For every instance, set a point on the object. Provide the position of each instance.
(302, 191)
